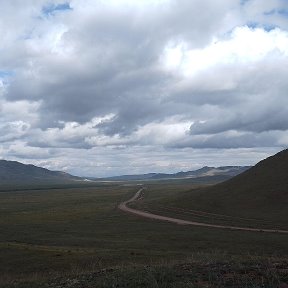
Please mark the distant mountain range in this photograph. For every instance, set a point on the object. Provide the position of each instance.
(221, 173)
(16, 173)
(12, 172)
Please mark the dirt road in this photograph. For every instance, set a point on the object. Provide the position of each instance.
(123, 206)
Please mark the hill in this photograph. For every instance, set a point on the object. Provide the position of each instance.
(16, 173)
(219, 174)
(261, 191)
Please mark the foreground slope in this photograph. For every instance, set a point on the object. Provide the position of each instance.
(139, 196)
(260, 192)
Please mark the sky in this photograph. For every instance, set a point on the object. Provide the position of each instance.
(101, 88)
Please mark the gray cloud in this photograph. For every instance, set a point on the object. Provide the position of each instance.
(100, 75)
(231, 139)
(115, 54)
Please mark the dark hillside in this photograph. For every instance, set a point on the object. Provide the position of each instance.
(13, 173)
(267, 180)
(261, 192)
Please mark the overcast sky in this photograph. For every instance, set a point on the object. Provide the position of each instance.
(100, 88)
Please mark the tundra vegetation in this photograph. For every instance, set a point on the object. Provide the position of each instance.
(76, 237)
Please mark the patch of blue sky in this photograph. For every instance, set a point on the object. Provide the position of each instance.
(271, 12)
(243, 2)
(266, 27)
(6, 73)
(281, 12)
(51, 9)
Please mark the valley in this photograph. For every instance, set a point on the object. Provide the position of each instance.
(49, 236)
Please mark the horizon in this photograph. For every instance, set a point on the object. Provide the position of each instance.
(153, 172)
(105, 88)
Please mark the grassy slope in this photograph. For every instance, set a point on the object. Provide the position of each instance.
(261, 192)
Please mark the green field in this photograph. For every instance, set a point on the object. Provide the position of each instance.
(51, 233)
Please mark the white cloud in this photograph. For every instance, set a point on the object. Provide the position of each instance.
(157, 79)
(243, 45)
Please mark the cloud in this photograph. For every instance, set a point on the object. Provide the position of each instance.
(157, 75)
(231, 140)
(242, 88)
(110, 56)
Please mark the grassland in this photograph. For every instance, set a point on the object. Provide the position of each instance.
(47, 234)
(200, 205)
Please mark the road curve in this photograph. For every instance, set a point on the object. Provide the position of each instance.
(123, 206)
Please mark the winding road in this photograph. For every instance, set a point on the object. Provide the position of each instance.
(123, 206)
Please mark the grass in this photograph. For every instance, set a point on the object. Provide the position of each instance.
(72, 231)
(201, 271)
(198, 204)
(260, 192)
